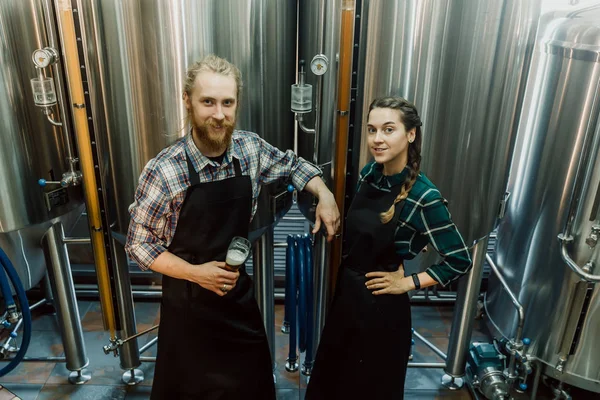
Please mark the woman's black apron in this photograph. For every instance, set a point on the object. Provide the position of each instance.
(212, 347)
(365, 345)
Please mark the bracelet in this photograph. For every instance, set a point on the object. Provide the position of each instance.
(416, 281)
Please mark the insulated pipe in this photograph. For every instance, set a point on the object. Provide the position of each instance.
(302, 292)
(292, 363)
(464, 314)
(309, 356)
(65, 302)
(263, 261)
(72, 63)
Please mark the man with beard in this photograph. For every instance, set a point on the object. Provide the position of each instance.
(192, 199)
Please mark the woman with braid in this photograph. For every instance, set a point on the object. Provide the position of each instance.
(396, 212)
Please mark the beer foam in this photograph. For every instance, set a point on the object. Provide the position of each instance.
(235, 258)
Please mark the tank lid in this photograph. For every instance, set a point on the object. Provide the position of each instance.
(576, 37)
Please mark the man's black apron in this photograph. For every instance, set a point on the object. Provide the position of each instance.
(365, 345)
(211, 347)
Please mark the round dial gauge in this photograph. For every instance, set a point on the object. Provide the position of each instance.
(319, 64)
(44, 57)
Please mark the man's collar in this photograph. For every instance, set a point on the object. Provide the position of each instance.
(200, 161)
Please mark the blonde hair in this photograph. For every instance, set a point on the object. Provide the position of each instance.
(410, 119)
(214, 64)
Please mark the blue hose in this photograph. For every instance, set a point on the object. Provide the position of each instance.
(302, 294)
(26, 314)
(290, 298)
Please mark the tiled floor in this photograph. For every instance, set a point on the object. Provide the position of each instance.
(43, 380)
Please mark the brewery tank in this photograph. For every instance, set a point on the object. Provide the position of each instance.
(138, 52)
(31, 147)
(463, 64)
(555, 184)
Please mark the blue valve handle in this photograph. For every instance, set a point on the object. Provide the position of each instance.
(523, 386)
(290, 188)
(526, 341)
(42, 182)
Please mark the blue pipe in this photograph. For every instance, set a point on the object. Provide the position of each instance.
(302, 294)
(291, 298)
(289, 269)
(308, 359)
(26, 314)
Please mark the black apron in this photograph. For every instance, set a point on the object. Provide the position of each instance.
(365, 345)
(212, 347)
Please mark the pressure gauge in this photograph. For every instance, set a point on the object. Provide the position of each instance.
(44, 57)
(319, 64)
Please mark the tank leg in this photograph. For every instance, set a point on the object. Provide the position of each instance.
(65, 303)
(464, 314)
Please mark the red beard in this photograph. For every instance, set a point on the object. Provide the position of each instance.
(214, 142)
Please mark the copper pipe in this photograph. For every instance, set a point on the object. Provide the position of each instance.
(66, 24)
(344, 84)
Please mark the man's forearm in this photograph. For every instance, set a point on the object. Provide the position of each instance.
(317, 187)
(171, 265)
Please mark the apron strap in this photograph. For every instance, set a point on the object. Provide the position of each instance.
(238, 168)
(194, 176)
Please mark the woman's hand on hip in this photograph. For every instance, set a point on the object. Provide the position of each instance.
(389, 282)
(212, 276)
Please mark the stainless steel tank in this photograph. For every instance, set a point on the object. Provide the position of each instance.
(555, 184)
(463, 63)
(138, 52)
(31, 148)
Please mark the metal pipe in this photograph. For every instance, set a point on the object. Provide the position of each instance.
(321, 256)
(564, 252)
(65, 302)
(123, 341)
(426, 365)
(128, 353)
(536, 380)
(264, 281)
(513, 298)
(49, 19)
(72, 240)
(464, 313)
(72, 63)
(38, 359)
(433, 347)
(55, 123)
(305, 128)
(148, 345)
(591, 142)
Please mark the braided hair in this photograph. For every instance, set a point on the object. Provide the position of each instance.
(410, 119)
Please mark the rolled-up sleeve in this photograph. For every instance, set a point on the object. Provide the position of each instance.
(444, 237)
(149, 215)
(275, 164)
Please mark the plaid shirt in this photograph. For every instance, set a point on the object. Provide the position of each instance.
(165, 179)
(424, 219)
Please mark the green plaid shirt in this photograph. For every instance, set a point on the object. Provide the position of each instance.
(424, 220)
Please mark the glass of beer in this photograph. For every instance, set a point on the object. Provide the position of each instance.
(237, 253)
